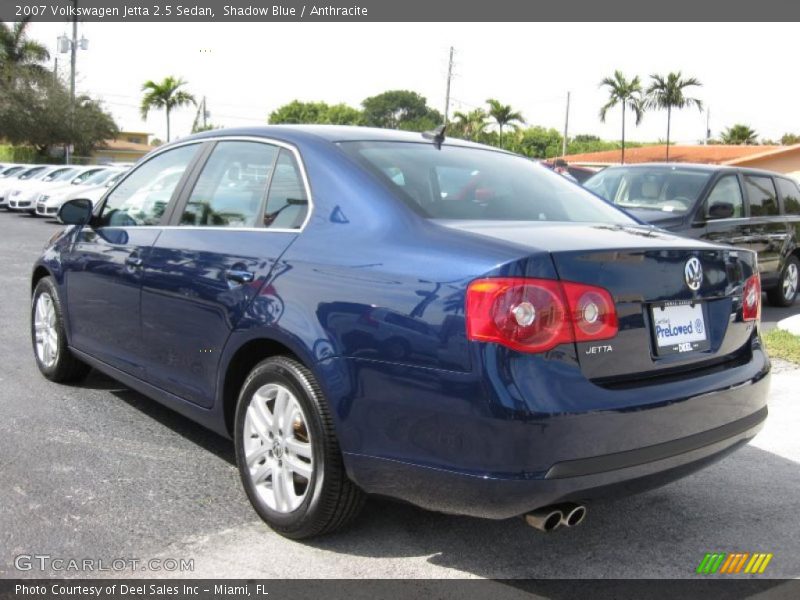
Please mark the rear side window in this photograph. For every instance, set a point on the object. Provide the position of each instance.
(231, 190)
(762, 196)
(287, 203)
(143, 196)
(456, 182)
(726, 191)
(790, 194)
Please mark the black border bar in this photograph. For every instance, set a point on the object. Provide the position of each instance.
(408, 11)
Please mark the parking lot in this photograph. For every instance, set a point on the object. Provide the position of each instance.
(98, 471)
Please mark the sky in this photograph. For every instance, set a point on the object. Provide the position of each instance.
(246, 70)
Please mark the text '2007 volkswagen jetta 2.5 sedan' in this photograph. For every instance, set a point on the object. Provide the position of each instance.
(376, 312)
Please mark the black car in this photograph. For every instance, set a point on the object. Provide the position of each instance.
(749, 208)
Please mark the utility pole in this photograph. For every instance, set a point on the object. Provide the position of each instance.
(72, 60)
(708, 125)
(205, 114)
(447, 95)
(566, 130)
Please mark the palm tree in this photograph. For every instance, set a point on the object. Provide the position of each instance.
(628, 94)
(503, 115)
(471, 124)
(740, 134)
(167, 95)
(667, 92)
(17, 52)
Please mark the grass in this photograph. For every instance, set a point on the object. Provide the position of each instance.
(782, 344)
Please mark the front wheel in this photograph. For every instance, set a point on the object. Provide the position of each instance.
(53, 356)
(786, 292)
(288, 456)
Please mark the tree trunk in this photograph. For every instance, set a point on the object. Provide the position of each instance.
(669, 119)
(623, 132)
(167, 111)
(501, 135)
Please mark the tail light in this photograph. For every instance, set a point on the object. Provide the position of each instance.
(751, 299)
(535, 315)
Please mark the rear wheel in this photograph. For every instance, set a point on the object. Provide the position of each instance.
(786, 292)
(288, 456)
(53, 356)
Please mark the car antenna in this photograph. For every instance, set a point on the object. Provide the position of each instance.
(437, 135)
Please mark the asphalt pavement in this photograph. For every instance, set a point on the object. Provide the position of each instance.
(97, 471)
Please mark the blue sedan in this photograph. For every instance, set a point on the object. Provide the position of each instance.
(378, 312)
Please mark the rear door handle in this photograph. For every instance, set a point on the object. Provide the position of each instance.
(238, 276)
(134, 261)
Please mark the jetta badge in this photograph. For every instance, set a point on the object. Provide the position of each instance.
(693, 273)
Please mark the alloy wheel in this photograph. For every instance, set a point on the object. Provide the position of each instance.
(277, 448)
(46, 330)
(790, 281)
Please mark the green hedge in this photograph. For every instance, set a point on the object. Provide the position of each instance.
(18, 154)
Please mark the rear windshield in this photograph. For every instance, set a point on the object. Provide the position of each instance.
(666, 189)
(474, 184)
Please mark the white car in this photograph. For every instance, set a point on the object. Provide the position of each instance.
(79, 178)
(93, 188)
(24, 195)
(28, 173)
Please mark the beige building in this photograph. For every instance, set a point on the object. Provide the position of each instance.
(128, 147)
(782, 159)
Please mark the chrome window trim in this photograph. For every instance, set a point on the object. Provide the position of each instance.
(224, 138)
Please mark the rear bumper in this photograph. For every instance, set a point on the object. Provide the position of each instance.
(507, 463)
(495, 498)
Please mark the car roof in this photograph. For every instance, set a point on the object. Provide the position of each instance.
(297, 134)
(696, 167)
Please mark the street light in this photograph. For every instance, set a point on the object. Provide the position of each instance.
(65, 45)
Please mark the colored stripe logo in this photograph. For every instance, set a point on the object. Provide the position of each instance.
(731, 563)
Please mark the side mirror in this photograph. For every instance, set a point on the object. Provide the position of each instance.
(76, 212)
(720, 210)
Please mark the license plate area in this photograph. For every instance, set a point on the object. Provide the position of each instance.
(679, 328)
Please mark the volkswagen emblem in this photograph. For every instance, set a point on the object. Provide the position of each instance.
(693, 273)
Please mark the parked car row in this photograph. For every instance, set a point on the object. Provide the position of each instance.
(748, 208)
(42, 189)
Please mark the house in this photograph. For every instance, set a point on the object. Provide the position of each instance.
(782, 159)
(128, 147)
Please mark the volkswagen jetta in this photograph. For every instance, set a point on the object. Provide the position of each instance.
(377, 312)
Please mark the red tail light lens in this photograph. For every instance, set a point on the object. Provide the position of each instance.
(535, 315)
(751, 299)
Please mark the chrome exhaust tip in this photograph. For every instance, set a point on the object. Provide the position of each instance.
(545, 519)
(574, 514)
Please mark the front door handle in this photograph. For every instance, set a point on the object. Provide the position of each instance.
(239, 276)
(134, 261)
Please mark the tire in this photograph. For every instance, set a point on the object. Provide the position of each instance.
(786, 290)
(295, 478)
(53, 356)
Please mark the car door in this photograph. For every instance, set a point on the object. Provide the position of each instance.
(104, 267)
(724, 215)
(229, 229)
(769, 231)
(790, 209)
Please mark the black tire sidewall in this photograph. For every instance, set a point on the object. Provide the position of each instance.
(285, 372)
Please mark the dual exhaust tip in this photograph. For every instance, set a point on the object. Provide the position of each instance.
(551, 518)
